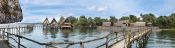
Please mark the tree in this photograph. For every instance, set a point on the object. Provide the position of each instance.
(83, 21)
(124, 18)
(149, 18)
(172, 20)
(113, 20)
(98, 21)
(163, 21)
(104, 20)
(73, 20)
(133, 18)
(91, 22)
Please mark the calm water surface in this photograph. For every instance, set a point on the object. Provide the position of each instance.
(162, 39)
(45, 35)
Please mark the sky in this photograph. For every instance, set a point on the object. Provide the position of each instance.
(35, 11)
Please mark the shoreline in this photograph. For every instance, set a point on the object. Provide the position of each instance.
(168, 29)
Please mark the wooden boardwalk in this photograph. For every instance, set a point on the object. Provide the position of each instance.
(125, 42)
(4, 43)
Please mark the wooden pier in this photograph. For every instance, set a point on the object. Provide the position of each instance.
(131, 37)
(4, 43)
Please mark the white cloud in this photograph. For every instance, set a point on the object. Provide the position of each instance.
(45, 2)
(97, 8)
(107, 8)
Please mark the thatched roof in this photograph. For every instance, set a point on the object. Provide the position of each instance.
(46, 21)
(62, 19)
(53, 21)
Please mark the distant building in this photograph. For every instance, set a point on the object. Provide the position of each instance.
(138, 24)
(106, 24)
(65, 23)
(122, 23)
(149, 24)
(46, 22)
(54, 23)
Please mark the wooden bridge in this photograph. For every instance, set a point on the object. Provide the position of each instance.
(115, 39)
(138, 36)
(4, 43)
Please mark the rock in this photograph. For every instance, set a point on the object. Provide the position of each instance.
(10, 11)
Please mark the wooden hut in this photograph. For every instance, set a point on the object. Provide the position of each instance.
(54, 24)
(106, 24)
(65, 24)
(138, 24)
(149, 24)
(122, 23)
(61, 20)
(46, 22)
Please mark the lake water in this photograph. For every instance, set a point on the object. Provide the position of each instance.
(46, 35)
(162, 39)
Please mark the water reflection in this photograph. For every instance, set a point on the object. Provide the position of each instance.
(66, 33)
(29, 30)
(45, 32)
(53, 32)
(162, 39)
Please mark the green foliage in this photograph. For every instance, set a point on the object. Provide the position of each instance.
(73, 20)
(113, 20)
(98, 21)
(166, 21)
(149, 18)
(124, 18)
(82, 21)
(104, 20)
(91, 22)
(133, 18)
(172, 20)
(163, 21)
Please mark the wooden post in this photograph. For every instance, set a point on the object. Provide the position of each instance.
(116, 36)
(18, 42)
(129, 37)
(7, 35)
(133, 35)
(3, 34)
(19, 31)
(81, 44)
(107, 42)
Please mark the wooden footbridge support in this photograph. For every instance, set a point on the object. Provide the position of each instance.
(140, 37)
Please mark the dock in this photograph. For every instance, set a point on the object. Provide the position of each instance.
(126, 43)
(4, 43)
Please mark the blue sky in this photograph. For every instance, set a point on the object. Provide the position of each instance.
(38, 10)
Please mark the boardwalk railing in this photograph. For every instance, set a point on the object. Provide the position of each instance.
(132, 36)
(9, 36)
(110, 39)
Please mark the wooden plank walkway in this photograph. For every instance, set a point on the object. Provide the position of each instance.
(123, 44)
(4, 43)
